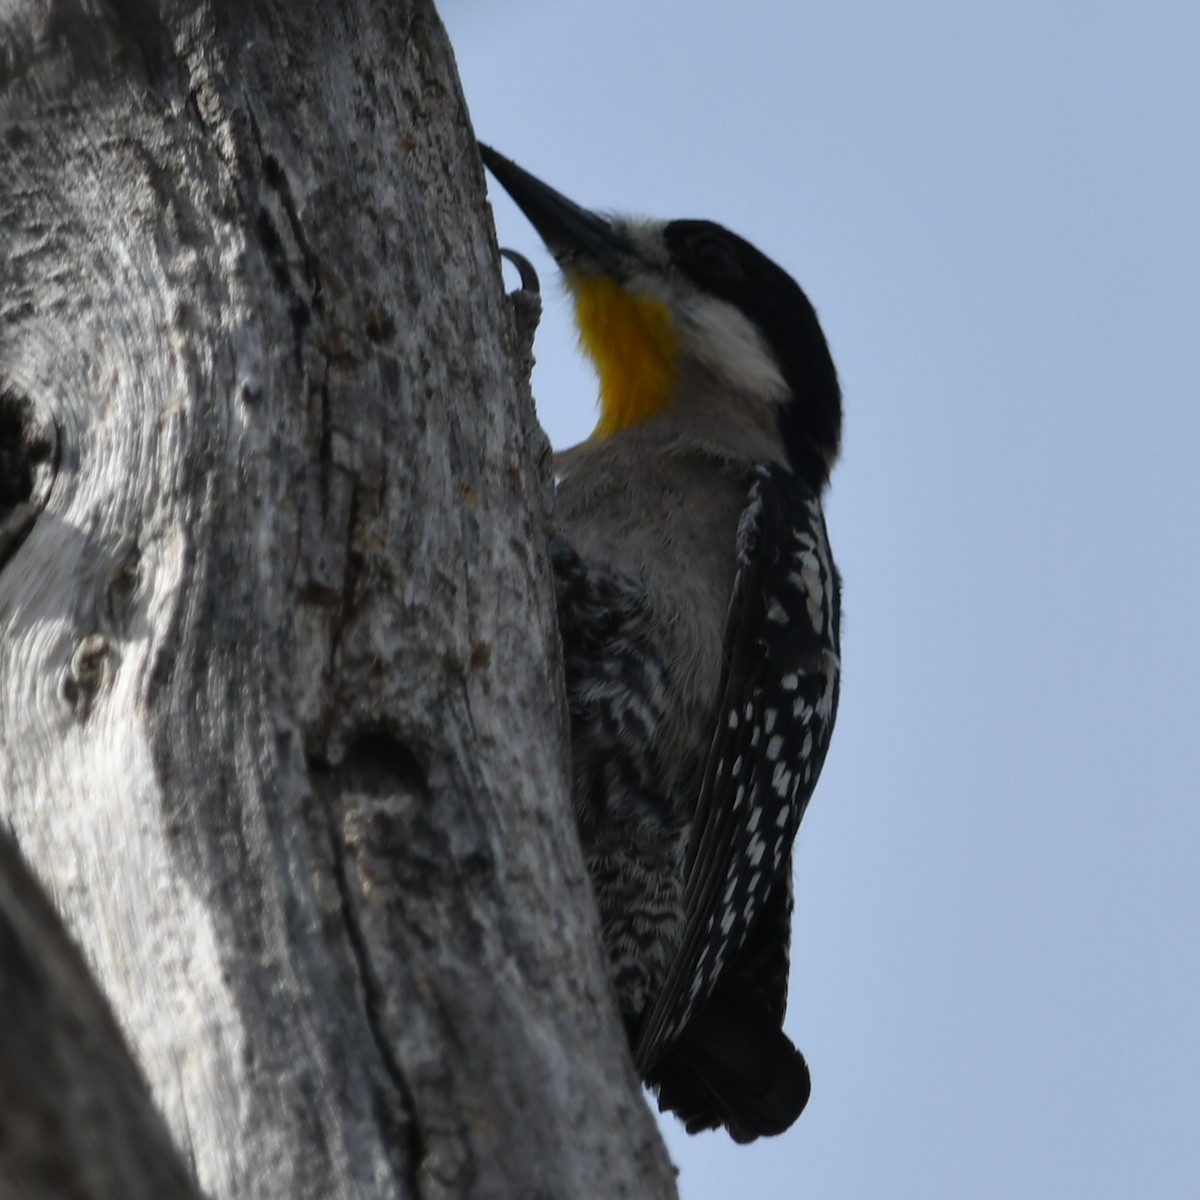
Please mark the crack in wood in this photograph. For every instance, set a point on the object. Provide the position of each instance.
(29, 458)
(376, 763)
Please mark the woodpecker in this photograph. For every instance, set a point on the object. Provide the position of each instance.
(699, 608)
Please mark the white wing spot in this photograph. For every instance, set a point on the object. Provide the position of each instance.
(781, 780)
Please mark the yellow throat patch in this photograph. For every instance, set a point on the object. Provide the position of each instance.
(632, 343)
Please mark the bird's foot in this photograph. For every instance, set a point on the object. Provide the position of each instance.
(527, 308)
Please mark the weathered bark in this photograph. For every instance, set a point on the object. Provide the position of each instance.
(280, 711)
(76, 1119)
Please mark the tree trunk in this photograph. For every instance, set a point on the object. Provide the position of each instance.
(76, 1120)
(281, 720)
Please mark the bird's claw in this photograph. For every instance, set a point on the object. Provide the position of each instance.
(529, 278)
(527, 308)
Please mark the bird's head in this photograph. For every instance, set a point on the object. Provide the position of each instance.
(665, 306)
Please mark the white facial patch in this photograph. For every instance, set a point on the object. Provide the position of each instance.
(712, 332)
(720, 338)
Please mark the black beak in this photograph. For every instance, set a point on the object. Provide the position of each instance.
(580, 240)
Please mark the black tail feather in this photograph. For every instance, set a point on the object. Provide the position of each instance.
(733, 1066)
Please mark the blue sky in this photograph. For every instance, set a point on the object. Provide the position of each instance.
(996, 210)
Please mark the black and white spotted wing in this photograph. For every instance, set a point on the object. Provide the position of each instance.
(779, 699)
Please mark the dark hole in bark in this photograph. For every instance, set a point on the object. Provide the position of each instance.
(16, 458)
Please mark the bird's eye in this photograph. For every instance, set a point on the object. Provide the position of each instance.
(713, 256)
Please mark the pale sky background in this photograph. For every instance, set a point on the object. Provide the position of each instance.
(996, 210)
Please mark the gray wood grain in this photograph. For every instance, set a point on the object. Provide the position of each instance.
(76, 1118)
(281, 723)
